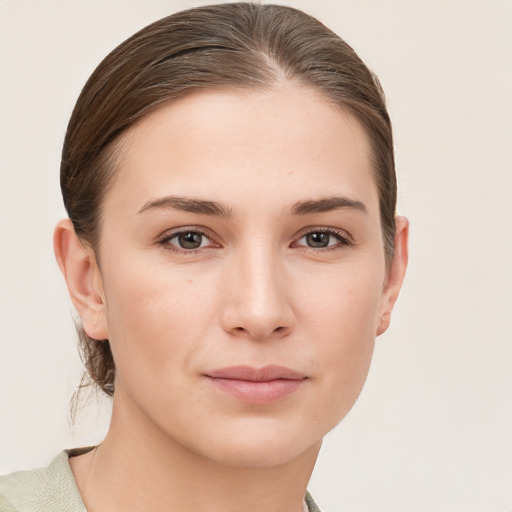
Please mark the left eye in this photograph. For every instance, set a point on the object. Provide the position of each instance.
(188, 240)
(321, 240)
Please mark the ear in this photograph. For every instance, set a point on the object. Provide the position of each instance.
(78, 264)
(395, 275)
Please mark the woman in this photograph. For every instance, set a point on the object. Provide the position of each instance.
(232, 251)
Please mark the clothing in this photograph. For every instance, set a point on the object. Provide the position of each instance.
(53, 488)
(49, 489)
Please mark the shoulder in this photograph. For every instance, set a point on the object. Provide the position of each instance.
(43, 490)
(310, 504)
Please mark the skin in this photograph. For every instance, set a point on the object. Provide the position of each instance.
(254, 293)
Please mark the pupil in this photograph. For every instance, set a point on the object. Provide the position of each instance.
(190, 240)
(318, 239)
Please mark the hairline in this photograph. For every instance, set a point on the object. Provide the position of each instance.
(112, 154)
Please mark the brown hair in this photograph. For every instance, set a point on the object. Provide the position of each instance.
(238, 45)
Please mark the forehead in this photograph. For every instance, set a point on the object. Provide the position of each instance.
(233, 143)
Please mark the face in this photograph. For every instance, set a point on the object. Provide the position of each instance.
(242, 271)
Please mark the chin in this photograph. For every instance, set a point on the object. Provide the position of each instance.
(256, 456)
(260, 446)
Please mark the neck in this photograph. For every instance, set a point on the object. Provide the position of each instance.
(142, 468)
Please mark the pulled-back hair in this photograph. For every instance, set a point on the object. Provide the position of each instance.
(240, 46)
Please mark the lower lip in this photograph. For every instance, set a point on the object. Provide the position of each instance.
(258, 392)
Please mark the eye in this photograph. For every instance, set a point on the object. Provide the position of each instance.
(186, 240)
(323, 239)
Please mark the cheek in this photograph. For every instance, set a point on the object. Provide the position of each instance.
(156, 317)
(342, 314)
(344, 300)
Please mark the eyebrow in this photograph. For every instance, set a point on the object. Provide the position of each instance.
(187, 205)
(326, 205)
(204, 207)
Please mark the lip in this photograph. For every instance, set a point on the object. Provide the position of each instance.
(257, 385)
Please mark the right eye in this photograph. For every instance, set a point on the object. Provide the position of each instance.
(187, 240)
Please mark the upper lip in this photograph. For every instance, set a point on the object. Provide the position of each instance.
(263, 374)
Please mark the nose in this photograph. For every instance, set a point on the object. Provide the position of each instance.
(258, 294)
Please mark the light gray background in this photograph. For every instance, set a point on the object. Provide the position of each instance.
(432, 430)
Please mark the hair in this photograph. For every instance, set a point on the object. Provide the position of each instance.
(237, 45)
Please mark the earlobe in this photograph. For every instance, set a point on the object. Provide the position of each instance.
(78, 265)
(395, 275)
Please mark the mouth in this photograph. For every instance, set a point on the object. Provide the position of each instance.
(257, 385)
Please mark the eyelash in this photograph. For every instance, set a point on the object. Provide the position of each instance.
(343, 239)
(164, 239)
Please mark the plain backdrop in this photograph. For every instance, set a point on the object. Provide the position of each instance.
(432, 430)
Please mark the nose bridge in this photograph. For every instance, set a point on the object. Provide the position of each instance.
(259, 303)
